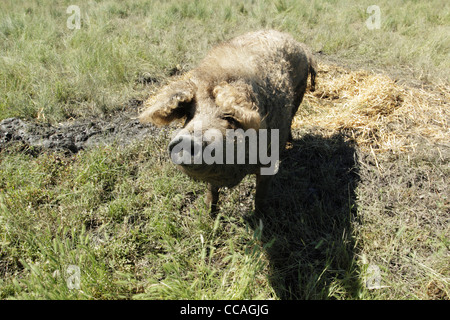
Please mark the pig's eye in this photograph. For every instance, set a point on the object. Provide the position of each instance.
(189, 116)
(232, 121)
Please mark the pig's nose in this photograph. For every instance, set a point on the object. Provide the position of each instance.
(183, 147)
(175, 142)
(185, 143)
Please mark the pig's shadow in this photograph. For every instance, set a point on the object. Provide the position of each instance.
(307, 228)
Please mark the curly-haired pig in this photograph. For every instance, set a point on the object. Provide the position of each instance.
(237, 106)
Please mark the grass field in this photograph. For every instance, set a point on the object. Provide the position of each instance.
(360, 206)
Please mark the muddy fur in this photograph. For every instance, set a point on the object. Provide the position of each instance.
(256, 80)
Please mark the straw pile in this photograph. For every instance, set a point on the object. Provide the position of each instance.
(377, 113)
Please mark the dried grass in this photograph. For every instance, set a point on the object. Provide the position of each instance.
(378, 113)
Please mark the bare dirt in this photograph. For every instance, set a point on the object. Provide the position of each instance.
(71, 136)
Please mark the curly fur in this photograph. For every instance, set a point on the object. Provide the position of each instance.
(166, 106)
(257, 79)
(236, 99)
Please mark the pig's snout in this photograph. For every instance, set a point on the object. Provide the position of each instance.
(185, 150)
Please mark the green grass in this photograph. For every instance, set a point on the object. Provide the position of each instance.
(138, 229)
(404, 224)
(121, 218)
(52, 72)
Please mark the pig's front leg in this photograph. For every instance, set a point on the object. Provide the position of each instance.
(263, 183)
(212, 197)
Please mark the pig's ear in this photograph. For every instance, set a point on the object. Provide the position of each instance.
(237, 99)
(172, 102)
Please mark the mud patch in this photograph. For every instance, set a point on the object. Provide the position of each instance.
(72, 136)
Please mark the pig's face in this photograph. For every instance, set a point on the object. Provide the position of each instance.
(208, 146)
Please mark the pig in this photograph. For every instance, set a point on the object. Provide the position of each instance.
(245, 92)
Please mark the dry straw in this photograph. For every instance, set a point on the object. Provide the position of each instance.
(378, 113)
